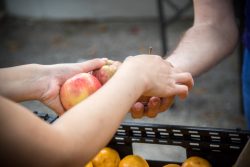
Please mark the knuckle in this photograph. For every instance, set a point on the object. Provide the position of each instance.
(189, 76)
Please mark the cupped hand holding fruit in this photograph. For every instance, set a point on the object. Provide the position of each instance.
(77, 88)
(54, 76)
(82, 85)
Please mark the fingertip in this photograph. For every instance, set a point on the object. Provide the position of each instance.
(183, 96)
(154, 102)
(166, 103)
(151, 113)
(182, 91)
(137, 110)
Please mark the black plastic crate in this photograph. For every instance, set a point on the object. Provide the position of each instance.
(221, 147)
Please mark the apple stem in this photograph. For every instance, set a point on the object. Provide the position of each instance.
(150, 50)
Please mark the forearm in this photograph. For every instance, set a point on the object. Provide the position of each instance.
(91, 125)
(21, 83)
(77, 135)
(212, 37)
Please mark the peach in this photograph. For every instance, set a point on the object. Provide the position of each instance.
(78, 88)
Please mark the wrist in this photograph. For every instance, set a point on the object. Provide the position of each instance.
(128, 71)
(37, 81)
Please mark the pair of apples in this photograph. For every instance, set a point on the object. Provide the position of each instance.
(82, 85)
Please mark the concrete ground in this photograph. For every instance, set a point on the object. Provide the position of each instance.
(214, 101)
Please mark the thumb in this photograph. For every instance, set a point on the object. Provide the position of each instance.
(93, 64)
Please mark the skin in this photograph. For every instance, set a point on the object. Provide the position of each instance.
(42, 82)
(78, 135)
(212, 37)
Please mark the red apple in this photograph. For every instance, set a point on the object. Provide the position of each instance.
(107, 71)
(78, 88)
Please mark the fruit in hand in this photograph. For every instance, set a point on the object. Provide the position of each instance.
(107, 71)
(196, 161)
(133, 161)
(77, 89)
(107, 157)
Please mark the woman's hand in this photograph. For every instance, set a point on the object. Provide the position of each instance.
(55, 75)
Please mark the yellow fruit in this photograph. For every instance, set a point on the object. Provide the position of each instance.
(89, 164)
(107, 157)
(196, 161)
(172, 165)
(133, 161)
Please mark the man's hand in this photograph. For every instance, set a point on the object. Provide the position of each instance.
(151, 106)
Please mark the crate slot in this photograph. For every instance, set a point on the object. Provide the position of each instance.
(149, 129)
(161, 130)
(216, 137)
(177, 142)
(234, 147)
(214, 145)
(195, 136)
(122, 134)
(149, 140)
(150, 133)
(137, 134)
(176, 130)
(134, 128)
(119, 138)
(216, 150)
(233, 135)
(178, 134)
(162, 141)
(193, 132)
(121, 130)
(213, 133)
(151, 136)
(121, 143)
(135, 139)
(164, 134)
(196, 149)
(235, 139)
(194, 144)
(136, 131)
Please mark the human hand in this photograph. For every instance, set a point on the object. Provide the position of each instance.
(54, 76)
(151, 106)
(159, 76)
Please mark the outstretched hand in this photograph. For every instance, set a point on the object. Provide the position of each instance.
(55, 75)
(150, 106)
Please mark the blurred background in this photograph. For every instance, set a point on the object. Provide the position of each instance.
(63, 31)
